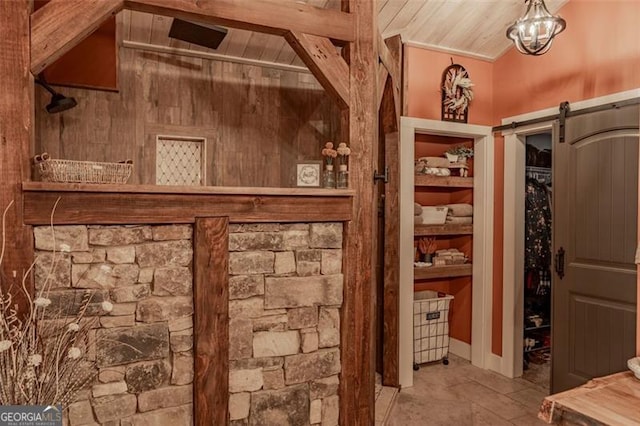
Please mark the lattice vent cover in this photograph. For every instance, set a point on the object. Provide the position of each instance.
(179, 161)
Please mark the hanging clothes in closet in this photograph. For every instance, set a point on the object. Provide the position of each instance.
(537, 226)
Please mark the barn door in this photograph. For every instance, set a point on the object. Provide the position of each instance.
(595, 204)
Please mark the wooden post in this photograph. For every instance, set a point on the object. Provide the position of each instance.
(211, 321)
(357, 344)
(390, 122)
(16, 109)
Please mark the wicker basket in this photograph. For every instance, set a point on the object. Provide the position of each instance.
(55, 170)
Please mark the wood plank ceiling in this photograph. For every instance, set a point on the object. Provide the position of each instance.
(469, 27)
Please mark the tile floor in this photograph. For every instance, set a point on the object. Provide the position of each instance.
(460, 394)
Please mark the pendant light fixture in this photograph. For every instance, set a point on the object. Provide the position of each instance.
(534, 32)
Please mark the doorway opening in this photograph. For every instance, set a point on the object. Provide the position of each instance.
(512, 360)
(538, 257)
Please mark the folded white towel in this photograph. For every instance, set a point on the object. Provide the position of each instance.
(460, 210)
(457, 220)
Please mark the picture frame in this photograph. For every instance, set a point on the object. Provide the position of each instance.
(308, 174)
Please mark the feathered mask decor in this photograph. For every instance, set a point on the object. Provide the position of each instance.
(457, 93)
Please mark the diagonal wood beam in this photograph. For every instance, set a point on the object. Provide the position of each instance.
(324, 61)
(395, 47)
(60, 25)
(381, 83)
(390, 61)
(266, 16)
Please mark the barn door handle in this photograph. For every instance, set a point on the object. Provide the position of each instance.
(560, 262)
(383, 177)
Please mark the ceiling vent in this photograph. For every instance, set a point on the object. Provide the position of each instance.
(208, 36)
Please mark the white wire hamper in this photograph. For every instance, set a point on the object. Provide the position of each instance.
(430, 327)
(57, 170)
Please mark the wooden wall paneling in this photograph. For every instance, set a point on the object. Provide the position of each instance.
(141, 24)
(151, 87)
(254, 116)
(211, 321)
(232, 92)
(291, 149)
(61, 24)
(272, 48)
(160, 26)
(256, 45)
(123, 21)
(16, 113)
(357, 314)
(135, 101)
(286, 55)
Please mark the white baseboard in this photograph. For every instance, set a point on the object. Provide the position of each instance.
(460, 348)
(494, 363)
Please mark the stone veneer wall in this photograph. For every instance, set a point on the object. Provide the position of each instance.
(285, 293)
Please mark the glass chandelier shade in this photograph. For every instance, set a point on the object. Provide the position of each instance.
(533, 33)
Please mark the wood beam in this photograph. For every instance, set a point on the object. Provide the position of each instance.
(324, 61)
(266, 16)
(391, 285)
(211, 321)
(121, 204)
(381, 83)
(60, 25)
(357, 315)
(390, 121)
(389, 60)
(16, 118)
(394, 45)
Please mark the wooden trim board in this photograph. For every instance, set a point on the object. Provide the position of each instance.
(128, 207)
(211, 321)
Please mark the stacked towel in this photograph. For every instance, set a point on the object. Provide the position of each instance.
(450, 256)
(460, 214)
(417, 213)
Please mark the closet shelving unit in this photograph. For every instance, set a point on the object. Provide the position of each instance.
(443, 231)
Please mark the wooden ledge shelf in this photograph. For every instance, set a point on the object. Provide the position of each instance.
(146, 204)
(444, 181)
(427, 230)
(446, 271)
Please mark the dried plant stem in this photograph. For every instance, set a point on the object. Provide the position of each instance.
(35, 367)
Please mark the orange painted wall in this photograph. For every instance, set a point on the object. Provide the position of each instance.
(598, 54)
(423, 94)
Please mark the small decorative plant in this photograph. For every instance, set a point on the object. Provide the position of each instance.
(427, 247)
(343, 152)
(42, 350)
(461, 151)
(329, 154)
